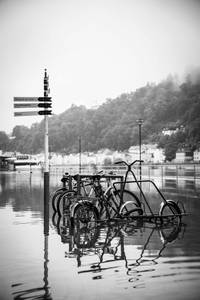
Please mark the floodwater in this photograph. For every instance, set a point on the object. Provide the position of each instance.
(119, 261)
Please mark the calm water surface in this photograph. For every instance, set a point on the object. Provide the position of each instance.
(120, 261)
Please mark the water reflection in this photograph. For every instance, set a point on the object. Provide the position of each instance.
(44, 291)
(138, 245)
(39, 292)
(42, 259)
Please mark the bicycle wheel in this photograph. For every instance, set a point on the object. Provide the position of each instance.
(85, 212)
(55, 196)
(86, 236)
(64, 201)
(170, 211)
(169, 233)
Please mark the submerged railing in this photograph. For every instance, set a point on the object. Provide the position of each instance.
(189, 171)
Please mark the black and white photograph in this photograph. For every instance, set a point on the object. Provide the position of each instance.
(100, 149)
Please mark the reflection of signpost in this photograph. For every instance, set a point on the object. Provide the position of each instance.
(45, 103)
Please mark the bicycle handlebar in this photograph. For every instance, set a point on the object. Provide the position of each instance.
(124, 162)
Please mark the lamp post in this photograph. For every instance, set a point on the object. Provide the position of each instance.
(79, 142)
(140, 122)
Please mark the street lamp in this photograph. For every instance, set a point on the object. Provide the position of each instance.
(140, 122)
(79, 142)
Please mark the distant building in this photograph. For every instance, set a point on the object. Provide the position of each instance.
(156, 155)
(172, 130)
(184, 155)
(6, 160)
(169, 131)
(196, 155)
(149, 153)
(4, 163)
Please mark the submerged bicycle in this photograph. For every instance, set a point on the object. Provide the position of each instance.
(100, 203)
(169, 210)
(89, 209)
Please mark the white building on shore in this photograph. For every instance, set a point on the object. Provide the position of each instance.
(196, 155)
(149, 153)
(183, 155)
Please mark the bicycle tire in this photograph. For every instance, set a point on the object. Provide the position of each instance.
(170, 208)
(170, 233)
(55, 196)
(87, 236)
(85, 212)
(61, 202)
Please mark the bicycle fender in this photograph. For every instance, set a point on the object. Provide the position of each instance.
(80, 202)
(128, 202)
(172, 202)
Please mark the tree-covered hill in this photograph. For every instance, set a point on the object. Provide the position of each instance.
(113, 125)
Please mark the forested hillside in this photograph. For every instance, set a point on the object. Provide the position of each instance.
(113, 125)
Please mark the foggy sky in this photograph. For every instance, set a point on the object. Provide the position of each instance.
(92, 49)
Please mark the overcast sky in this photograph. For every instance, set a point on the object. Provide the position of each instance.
(92, 49)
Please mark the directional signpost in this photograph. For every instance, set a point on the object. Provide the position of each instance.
(26, 99)
(43, 104)
(26, 113)
(33, 102)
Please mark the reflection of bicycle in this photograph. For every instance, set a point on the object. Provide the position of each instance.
(101, 239)
(84, 238)
(84, 235)
(167, 234)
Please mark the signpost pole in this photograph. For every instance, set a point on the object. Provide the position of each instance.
(46, 151)
(45, 103)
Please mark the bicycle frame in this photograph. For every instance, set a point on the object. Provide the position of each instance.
(103, 198)
(138, 183)
(96, 187)
(129, 170)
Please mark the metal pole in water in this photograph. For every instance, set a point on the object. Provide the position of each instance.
(140, 149)
(140, 122)
(46, 151)
(46, 258)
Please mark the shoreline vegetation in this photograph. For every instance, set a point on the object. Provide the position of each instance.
(164, 107)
